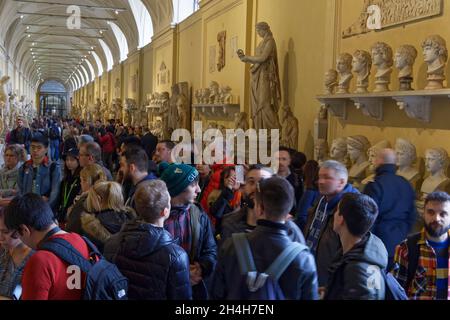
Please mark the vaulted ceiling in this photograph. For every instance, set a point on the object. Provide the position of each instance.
(35, 36)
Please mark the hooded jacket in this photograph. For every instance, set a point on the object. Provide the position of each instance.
(157, 268)
(329, 242)
(352, 272)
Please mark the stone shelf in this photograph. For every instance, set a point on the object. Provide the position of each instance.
(416, 104)
(217, 111)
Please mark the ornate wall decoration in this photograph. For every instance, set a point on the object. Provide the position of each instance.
(222, 39)
(381, 14)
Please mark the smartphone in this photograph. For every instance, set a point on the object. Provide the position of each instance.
(240, 174)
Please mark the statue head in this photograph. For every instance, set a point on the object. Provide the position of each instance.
(181, 103)
(331, 77)
(357, 146)
(320, 149)
(214, 87)
(338, 148)
(405, 56)
(406, 152)
(362, 62)
(382, 55)
(436, 159)
(372, 153)
(344, 63)
(262, 29)
(434, 48)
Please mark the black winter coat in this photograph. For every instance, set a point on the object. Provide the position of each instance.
(351, 273)
(157, 268)
(267, 241)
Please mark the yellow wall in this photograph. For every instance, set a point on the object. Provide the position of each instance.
(396, 123)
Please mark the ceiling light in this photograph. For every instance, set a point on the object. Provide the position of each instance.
(101, 31)
(117, 12)
(29, 36)
(21, 17)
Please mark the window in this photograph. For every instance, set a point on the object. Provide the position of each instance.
(183, 9)
(121, 40)
(99, 63)
(109, 58)
(81, 76)
(86, 74)
(143, 22)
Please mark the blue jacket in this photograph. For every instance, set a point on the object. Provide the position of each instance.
(309, 198)
(267, 241)
(48, 181)
(329, 242)
(395, 198)
(156, 268)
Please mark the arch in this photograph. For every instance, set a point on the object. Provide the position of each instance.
(91, 69)
(109, 58)
(98, 62)
(121, 40)
(143, 21)
(183, 9)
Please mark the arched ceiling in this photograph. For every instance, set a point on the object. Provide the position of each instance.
(36, 38)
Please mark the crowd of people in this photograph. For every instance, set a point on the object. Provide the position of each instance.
(180, 231)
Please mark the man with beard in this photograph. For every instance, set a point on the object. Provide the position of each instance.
(244, 219)
(422, 260)
(21, 135)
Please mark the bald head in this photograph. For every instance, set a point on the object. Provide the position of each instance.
(386, 156)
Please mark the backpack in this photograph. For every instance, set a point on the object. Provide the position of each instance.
(264, 286)
(103, 279)
(53, 133)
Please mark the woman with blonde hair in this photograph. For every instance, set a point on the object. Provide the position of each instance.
(89, 175)
(105, 212)
(14, 156)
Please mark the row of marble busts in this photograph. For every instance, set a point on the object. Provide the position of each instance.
(359, 156)
(382, 57)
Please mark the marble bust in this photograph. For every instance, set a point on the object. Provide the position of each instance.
(344, 69)
(331, 78)
(357, 147)
(320, 150)
(405, 56)
(338, 150)
(361, 65)
(436, 163)
(382, 58)
(406, 157)
(372, 154)
(435, 55)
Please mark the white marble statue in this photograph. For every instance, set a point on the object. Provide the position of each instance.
(225, 95)
(331, 79)
(361, 64)
(382, 58)
(289, 128)
(344, 69)
(320, 150)
(357, 147)
(372, 154)
(3, 95)
(214, 93)
(198, 96)
(338, 150)
(405, 56)
(406, 157)
(435, 55)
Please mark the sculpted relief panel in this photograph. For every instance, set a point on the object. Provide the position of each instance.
(380, 14)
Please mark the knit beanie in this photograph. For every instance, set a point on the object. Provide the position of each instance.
(178, 177)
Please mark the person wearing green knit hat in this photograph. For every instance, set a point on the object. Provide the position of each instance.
(189, 224)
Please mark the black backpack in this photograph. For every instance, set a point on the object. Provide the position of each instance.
(103, 279)
(54, 133)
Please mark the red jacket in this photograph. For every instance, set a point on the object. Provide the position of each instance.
(107, 143)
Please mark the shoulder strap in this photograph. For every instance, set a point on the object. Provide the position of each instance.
(243, 253)
(65, 251)
(282, 262)
(413, 257)
(195, 229)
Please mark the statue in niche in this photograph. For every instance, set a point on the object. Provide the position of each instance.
(97, 110)
(3, 95)
(240, 121)
(361, 64)
(382, 57)
(133, 112)
(357, 147)
(225, 95)
(436, 163)
(214, 93)
(183, 112)
(164, 104)
(373, 153)
(222, 39)
(289, 130)
(406, 157)
(331, 78)
(338, 150)
(117, 87)
(265, 80)
(206, 95)
(435, 55)
(173, 110)
(405, 57)
(320, 150)
(321, 124)
(344, 69)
